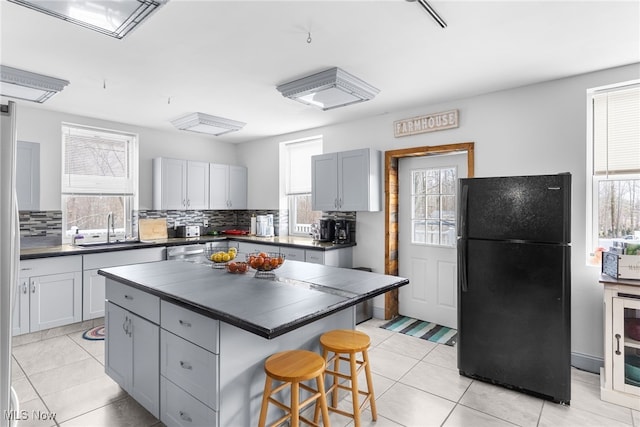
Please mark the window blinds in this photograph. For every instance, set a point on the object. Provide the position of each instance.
(616, 132)
(96, 162)
(298, 166)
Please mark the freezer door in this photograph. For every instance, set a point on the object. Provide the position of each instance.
(527, 208)
(514, 316)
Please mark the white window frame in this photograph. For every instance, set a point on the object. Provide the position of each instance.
(592, 229)
(291, 192)
(100, 186)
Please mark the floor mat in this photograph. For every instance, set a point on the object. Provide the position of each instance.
(94, 334)
(421, 329)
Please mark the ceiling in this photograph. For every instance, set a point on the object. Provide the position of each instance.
(225, 58)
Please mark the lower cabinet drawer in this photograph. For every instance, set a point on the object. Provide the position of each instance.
(179, 409)
(191, 326)
(192, 368)
(139, 302)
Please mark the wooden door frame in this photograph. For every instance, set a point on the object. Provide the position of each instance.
(391, 206)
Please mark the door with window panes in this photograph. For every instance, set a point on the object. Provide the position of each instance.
(427, 236)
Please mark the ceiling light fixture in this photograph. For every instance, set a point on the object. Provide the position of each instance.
(329, 89)
(431, 11)
(20, 84)
(113, 18)
(204, 123)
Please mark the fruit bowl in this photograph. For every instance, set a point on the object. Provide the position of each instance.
(220, 256)
(237, 267)
(265, 262)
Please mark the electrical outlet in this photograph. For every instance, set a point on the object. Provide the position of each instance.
(205, 222)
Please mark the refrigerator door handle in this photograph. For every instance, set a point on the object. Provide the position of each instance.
(464, 202)
(462, 265)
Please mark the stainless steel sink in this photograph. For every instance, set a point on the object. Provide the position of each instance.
(102, 244)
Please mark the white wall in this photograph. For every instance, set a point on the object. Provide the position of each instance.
(529, 130)
(43, 126)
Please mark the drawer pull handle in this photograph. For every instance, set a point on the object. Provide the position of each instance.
(129, 297)
(618, 336)
(185, 324)
(185, 417)
(186, 365)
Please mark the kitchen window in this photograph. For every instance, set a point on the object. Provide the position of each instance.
(99, 177)
(614, 166)
(296, 156)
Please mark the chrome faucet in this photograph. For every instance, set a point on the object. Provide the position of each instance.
(110, 226)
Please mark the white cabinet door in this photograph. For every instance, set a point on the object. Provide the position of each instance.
(118, 345)
(324, 182)
(145, 379)
(55, 300)
(21, 308)
(132, 356)
(197, 185)
(346, 181)
(92, 294)
(169, 184)
(227, 187)
(218, 186)
(353, 176)
(237, 187)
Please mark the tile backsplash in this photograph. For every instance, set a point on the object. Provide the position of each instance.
(49, 223)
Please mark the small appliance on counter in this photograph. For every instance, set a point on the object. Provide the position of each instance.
(188, 231)
(327, 228)
(264, 225)
(342, 231)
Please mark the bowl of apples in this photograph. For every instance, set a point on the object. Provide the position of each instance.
(237, 267)
(265, 262)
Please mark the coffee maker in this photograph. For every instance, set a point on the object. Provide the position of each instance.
(342, 232)
(327, 230)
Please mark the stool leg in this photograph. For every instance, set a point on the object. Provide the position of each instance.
(323, 403)
(354, 389)
(372, 397)
(265, 402)
(336, 368)
(295, 402)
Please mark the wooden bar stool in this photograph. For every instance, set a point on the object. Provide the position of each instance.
(291, 368)
(345, 344)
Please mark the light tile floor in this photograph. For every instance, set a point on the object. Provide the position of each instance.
(416, 384)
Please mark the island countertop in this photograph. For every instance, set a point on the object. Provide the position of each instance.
(299, 294)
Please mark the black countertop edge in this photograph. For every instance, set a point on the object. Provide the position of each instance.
(249, 326)
(68, 250)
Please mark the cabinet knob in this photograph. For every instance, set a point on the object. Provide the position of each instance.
(185, 365)
(129, 297)
(185, 324)
(185, 417)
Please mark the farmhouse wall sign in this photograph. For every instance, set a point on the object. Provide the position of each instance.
(428, 123)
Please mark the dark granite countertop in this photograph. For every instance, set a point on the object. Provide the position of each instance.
(300, 293)
(45, 249)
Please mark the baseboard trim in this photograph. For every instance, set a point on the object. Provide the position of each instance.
(586, 362)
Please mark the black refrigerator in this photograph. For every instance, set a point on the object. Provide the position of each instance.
(514, 283)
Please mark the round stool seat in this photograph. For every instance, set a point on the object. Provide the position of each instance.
(294, 365)
(345, 341)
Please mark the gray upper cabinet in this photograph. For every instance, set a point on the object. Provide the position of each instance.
(180, 184)
(227, 187)
(346, 181)
(28, 176)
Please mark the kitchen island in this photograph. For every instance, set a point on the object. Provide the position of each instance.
(188, 342)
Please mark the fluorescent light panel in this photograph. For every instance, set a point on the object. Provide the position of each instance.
(329, 89)
(204, 123)
(113, 18)
(20, 84)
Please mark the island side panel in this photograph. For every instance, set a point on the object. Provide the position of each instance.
(242, 356)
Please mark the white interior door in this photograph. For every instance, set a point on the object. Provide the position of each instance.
(427, 216)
